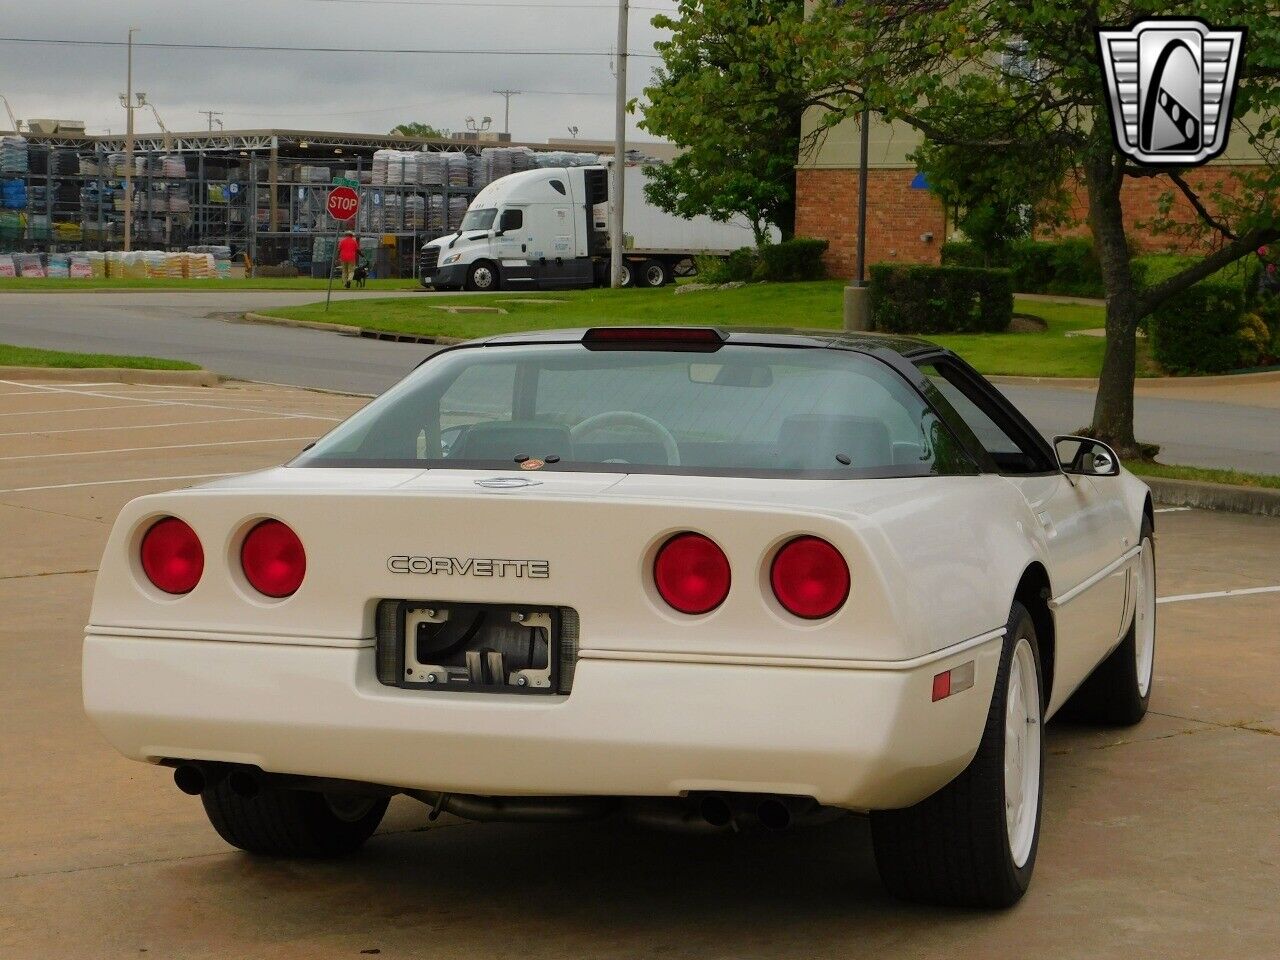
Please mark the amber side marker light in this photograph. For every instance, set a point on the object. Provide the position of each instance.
(172, 557)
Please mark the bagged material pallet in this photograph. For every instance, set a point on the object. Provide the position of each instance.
(13, 155)
(80, 266)
(173, 166)
(457, 211)
(7, 267)
(97, 261)
(432, 169)
(13, 195)
(13, 225)
(59, 266)
(458, 169)
(29, 265)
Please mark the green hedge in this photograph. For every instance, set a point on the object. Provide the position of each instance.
(799, 258)
(1065, 267)
(923, 299)
(1204, 330)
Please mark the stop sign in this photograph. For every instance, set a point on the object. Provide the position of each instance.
(343, 203)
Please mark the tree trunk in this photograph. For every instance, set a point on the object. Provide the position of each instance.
(1113, 408)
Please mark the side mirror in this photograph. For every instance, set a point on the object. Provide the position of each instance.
(1081, 456)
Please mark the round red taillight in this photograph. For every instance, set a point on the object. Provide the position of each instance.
(273, 559)
(172, 557)
(691, 573)
(810, 578)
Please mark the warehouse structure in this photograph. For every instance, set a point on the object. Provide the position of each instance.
(255, 192)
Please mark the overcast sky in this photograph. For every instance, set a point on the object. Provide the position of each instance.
(325, 91)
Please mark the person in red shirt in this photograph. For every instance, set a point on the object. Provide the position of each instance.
(348, 256)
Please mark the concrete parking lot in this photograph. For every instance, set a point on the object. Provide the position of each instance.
(1160, 841)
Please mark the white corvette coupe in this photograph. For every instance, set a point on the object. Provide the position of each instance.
(697, 578)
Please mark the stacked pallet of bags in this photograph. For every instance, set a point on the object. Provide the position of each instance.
(379, 172)
(97, 264)
(80, 266)
(29, 265)
(458, 169)
(13, 195)
(153, 260)
(437, 222)
(59, 266)
(415, 213)
(8, 269)
(457, 211)
(432, 169)
(13, 226)
(13, 155)
(173, 166)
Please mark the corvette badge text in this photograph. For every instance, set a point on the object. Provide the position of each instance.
(470, 567)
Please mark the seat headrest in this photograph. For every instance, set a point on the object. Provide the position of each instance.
(811, 442)
(505, 441)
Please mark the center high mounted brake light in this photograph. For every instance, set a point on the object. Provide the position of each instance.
(656, 338)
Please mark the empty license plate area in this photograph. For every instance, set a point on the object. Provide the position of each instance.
(476, 648)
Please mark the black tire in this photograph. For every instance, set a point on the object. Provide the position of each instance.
(484, 277)
(1113, 695)
(655, 274)
(628, 274)
(953, 849)
(292, 823)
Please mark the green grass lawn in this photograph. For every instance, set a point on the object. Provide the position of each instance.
(28, 284)
(1204, 475)
(11, 356)
(814, 305)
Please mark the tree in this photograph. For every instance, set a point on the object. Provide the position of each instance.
(731, 93)
(1022, 77)
(424, 131)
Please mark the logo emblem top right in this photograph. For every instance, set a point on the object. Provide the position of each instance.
(1171, 83)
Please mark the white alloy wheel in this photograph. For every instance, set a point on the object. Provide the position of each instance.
(1144, 614)
(1022, 745)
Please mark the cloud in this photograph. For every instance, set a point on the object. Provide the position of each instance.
(322, 91)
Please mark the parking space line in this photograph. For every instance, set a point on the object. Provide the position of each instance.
(1173, 509)
(170, 446)
(182, 403)
(41, 413)
(1216, 594)
(140, 426)
(108, 483)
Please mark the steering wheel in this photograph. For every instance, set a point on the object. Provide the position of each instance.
(628, 418)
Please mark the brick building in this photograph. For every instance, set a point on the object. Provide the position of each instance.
(906, 223)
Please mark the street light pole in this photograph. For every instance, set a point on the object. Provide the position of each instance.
(128, 146)
(619, 150)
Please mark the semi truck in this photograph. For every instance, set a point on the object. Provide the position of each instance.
(548, 229)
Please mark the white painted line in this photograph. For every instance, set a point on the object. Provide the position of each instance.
(140, 426)
(1173, 509)
(1243, 592)
(178, 403)
(44, 413)
(108, 483)
(172, 446)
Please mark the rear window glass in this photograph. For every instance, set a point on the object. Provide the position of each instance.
(742, 410)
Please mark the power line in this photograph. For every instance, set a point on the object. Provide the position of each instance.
(278, 49)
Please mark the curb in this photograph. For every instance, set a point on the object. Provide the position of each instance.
(345, 330)
(1258, 501)
(172, 378)
(341, 329)
(1236, 379)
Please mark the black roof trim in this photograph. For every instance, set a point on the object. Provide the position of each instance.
(861, 342)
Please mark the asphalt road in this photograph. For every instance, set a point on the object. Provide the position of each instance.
(1242, 435)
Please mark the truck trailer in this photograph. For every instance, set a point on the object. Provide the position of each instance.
(548, 229)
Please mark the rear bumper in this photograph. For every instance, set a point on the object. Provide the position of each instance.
(856, 738)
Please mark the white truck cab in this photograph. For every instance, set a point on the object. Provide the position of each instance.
(548, 229)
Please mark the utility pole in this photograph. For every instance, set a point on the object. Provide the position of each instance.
(127, 99)
(619, 150)
(507, 95)
(857, 303)
(211, 114)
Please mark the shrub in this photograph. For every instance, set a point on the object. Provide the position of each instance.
(962, 253)
(1068, 267)
(797, 259)
(1200, 330)
(922, 299)
(738, 267)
